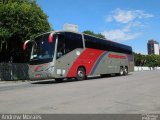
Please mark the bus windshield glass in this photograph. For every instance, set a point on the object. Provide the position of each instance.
(42, 48)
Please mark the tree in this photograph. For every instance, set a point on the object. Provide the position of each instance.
(153, 60)
(139, 59)
(18, 1)
(99, 35)
(146, 60)
(4, 35)
(20, 20)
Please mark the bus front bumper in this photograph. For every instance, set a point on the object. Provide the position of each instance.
(41, 72)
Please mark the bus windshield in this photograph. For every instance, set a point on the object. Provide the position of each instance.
(42, 48)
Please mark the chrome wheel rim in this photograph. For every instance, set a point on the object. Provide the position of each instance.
(80, 74)
(121, 72)
(126, 71)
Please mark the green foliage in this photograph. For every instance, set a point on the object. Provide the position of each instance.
(147, 60)
(17, 1)
(20, 20)
(4, 35)
(23, 19)
(99, 35)
(153, 60)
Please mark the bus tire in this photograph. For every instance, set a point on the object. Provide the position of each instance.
(58, 80)
(81, 74)
(121, 72)
(125, 70)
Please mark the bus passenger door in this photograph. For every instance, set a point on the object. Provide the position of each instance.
(60, 64)
(67, 47)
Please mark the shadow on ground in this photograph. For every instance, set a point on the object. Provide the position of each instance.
(52, 81)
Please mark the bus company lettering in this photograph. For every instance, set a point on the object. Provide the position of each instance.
(116, 56)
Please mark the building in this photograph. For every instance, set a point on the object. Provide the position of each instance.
(153, 47)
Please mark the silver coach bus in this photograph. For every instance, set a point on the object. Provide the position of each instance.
(64, 54)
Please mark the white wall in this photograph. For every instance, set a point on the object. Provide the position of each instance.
(156, 49)
(136, 68)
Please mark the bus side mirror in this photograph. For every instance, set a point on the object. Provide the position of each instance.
(50, 38)
(25, 44)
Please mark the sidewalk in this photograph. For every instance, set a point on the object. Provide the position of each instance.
(12, 83)
(20, 82)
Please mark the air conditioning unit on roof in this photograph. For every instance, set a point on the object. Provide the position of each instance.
(70, 27)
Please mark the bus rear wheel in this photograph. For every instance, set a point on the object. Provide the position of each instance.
(81, 74)
(125, 71)
(121, 72)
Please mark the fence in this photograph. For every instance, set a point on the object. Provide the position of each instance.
(13, 71)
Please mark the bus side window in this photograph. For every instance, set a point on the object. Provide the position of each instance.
(73, 41)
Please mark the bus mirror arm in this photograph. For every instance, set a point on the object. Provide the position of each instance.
(26, 42)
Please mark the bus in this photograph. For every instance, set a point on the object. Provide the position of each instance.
(64, 54)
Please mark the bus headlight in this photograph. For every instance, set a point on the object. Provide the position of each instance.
(50, 69)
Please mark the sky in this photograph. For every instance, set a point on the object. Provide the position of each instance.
(131, 22)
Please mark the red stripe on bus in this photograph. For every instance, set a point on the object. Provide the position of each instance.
(87, 59)
(39, 68)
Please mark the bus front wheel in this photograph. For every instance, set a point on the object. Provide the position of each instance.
(81, 74)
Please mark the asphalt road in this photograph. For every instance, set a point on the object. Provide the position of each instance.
(139, 92)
